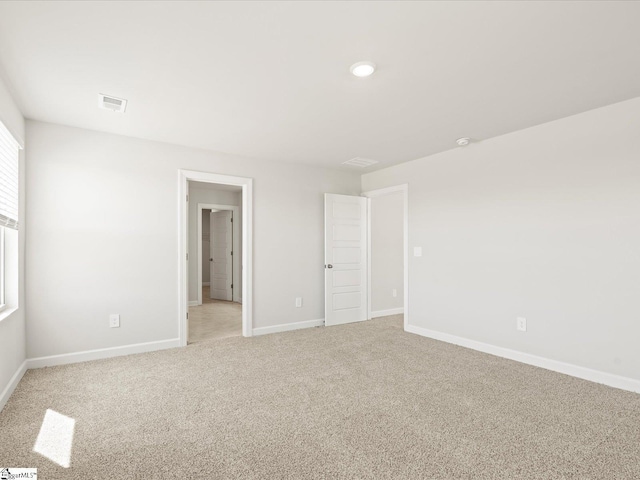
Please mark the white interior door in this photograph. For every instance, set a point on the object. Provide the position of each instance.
(345, 253)
(220, 259)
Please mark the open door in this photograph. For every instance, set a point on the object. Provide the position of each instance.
(345, 253)
(220, 259)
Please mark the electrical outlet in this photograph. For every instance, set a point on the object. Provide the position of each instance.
(394, 293)
(521, 324)
(298, 302)
(114, 320)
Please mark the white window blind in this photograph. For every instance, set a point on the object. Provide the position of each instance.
(9, 149)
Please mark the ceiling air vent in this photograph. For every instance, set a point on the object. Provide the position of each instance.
(360, 162)
(112, 103)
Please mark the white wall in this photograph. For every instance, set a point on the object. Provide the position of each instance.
(387, 264)
(542, 223)
(94, 249)
(206, 195)
(12, 325)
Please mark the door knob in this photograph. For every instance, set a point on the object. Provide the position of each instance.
(329, 266)
(211, 259)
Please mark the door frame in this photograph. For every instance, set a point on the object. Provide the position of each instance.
(235, 260)
(184, 176)
(404, 188)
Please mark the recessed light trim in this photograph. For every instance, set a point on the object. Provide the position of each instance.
(463, 142)
(363, 69)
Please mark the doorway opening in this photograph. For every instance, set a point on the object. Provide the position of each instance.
(216, 310)
(388, 247)
(215, 256)
(219, 240)
(366, 256)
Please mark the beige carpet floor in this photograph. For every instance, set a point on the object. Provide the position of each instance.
(214, 319)
(356, 401)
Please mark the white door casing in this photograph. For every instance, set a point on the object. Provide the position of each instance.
(345, 230)
(184, 177)
(220, 259)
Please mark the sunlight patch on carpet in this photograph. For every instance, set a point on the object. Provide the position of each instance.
(56, 438)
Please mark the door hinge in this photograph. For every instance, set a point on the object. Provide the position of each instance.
(231, 252)
(187, 315)
(187, 257)
(187, 198)
(232, 285)
(231, 219)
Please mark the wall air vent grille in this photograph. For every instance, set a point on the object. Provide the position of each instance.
(360, 162)
(112, 103)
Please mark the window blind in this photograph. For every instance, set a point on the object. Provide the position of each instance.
(9, 150)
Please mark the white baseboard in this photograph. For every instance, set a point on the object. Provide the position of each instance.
(286, 327)
(385, 313)
(101, 353)
(206, 284)
(193, 303)
(13, 383)
(610, 379)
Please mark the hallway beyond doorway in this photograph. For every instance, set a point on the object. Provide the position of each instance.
(214, 319)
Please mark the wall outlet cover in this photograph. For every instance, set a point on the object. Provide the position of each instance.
(521, 324)
(114, 320)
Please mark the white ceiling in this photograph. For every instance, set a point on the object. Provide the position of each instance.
(271, 79)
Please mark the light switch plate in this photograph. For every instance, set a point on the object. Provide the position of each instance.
(417, 251)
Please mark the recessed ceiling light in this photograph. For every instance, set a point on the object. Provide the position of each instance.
(463, 142)
(363, 69)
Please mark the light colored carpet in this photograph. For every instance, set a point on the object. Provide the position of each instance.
(355, 401)
(214, 319)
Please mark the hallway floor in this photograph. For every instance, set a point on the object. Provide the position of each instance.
(214, 319)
